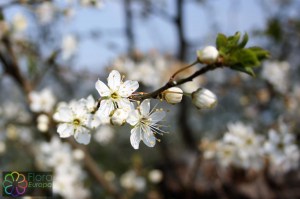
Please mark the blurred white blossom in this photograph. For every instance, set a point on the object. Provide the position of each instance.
(104, 134)
(68, 46)
(19, 22)
(43, 123)
(155, 176)
(276, 73)
(68, 173)
(42, 101)
(281, 149)
(130, 180)
(45, 12)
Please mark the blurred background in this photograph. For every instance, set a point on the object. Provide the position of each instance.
(247, 147)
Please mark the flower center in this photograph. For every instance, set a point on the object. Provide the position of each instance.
(114, 95)
(145, 120)
(76, 122)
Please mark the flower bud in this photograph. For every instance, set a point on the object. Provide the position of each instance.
(119, 117)
(208, 55)
(173, 95)
(203, 98)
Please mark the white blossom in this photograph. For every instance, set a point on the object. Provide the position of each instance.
(75, 120)
(173, 95)
(116, 94)
(119, 116)
(42, 101)
(208, 55)
(144, 124)
(203, 98)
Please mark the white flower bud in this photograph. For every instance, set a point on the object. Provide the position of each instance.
(203, 98)
(173, 95)
(119, 117)
(208, 55)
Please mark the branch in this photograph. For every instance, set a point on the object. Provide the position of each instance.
(173, 83)
(95, 171)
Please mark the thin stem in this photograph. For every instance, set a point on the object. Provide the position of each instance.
(170, 84)
(183, 69)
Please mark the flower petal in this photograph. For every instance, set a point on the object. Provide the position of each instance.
(106, 106)
(114, 80)
(133, 118)
(135, 137)
(102, 89)
(128, 87)
(65, 130)
(157, 116)
(82, 137)
(148, 138)
(145, 107)
(64, 114)
(124, 103)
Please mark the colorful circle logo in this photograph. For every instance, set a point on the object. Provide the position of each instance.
(14, 184)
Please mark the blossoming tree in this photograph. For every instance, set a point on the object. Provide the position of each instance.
(209, 123)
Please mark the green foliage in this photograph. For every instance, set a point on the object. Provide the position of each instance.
(236, 56)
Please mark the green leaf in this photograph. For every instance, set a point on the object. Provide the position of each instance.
(221, 41)
(247, 58)
(247, 70)
(259, 52)
(236, 56)
(234, 40)
(244, 41)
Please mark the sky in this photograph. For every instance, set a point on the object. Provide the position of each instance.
(202, 22)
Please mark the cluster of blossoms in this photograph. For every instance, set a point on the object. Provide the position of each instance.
(42, 103)
(151, 69)
(65, 163)
(241, 147)
(119, 105)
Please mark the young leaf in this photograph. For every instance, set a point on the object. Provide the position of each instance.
(221, 41)
(247, 70)
(259, 52)
(247, 58)
(244, 41)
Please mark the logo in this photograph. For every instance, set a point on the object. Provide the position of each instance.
(14, 184)
(30, 183)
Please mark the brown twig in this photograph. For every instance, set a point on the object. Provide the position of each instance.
(173, 83)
